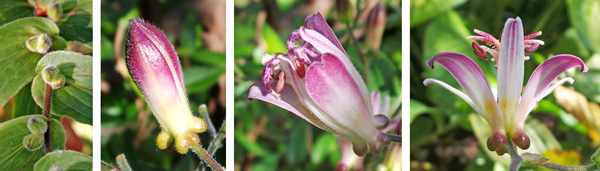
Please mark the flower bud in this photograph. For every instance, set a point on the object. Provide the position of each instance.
(54, 12)
(375, 28)
(53, 77)
(520, 139)
(39, 43)
(496, 141)
(381, 121)
(344, 10)
(37, 125)
(155, 69)
(33, 141)
(163, 140)
(40, 11)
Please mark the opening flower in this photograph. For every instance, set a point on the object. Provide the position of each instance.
(317, 81)
(505, 113)
(156, 70)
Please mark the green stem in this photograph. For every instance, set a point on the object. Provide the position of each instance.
(215, 144)
(207, 158)
(203, 110)
(360, 52)
(515, 158)
(46, 113)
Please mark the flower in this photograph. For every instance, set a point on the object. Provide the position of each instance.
(155, 69)
(505, 113)
(318, 82)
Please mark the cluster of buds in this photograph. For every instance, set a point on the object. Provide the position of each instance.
(38, 128)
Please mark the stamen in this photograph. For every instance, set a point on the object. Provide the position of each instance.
(479, 52)
(280, 82)
(532, 35)
(300, 69)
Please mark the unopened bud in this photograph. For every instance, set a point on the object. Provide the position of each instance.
(37, 125)
(39, 43)
(375, 28)
(520, 139)
(53, 77)
(381, 121)
(496, 141)
(33, 141)
(55, 12)
(164, 139)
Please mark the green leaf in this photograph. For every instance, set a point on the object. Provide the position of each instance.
(13, 155)
(76, 27)
(17, 63)
(422, 10)
(67, 5)
(199, 79)
(596, 157)
(24, 103)
(75, 98)
(417, 108)
(584, 17)
(325, 146)
(208, 57)
(84, 5)
(64, 160)
(274, 42)
(14, 9)
(296, 148)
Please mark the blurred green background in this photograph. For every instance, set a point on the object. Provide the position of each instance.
(270, 138)
(196, 28)
(447, 134)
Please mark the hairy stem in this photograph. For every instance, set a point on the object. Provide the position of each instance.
(515, 158)
(204, 115)
(360, 52)
(215, 144)
(46, 113)
(207, 158)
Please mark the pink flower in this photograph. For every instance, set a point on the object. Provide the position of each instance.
(155, 69)
(505, 113)
(318, 82)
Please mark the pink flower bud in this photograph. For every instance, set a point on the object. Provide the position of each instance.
(156, 70)
(375, 28)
